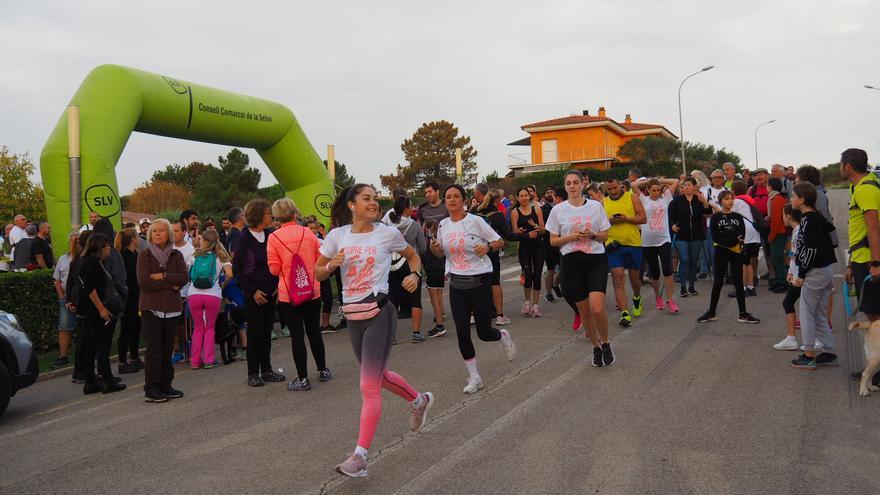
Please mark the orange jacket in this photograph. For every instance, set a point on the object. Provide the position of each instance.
(282, 244)
(777, 225)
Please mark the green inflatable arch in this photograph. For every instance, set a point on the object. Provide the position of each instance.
(114, 101)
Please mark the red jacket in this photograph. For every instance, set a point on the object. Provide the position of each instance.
(777, 225)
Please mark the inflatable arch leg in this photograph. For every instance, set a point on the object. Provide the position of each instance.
(114, 101)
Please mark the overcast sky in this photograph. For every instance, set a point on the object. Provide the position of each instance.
(365, 75)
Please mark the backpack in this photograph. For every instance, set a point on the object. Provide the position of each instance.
(758, 221)
(203, 271)
(300, 286)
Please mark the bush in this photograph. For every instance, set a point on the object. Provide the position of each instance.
(31, 297)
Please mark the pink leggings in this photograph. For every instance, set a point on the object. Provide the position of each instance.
(203, 309)
(371, 341)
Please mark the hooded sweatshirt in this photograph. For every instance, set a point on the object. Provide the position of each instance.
(814, 249)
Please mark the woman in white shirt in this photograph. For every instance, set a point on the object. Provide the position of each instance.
(579, 228)
(656, 241)
(205, 296)
(465, 240)
(362, 248)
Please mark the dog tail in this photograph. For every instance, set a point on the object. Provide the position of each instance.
(860, 325)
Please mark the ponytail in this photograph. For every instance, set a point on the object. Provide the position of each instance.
(400, 204)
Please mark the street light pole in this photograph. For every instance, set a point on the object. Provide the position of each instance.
(868, 86)
(680, 125)
(756, 139)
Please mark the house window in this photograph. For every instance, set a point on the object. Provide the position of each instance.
(549, 152)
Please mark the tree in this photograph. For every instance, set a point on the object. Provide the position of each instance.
(185, 176)
(492, 177)
(20, 195)
(430, 154)
(662, 156)
(234, 183)
(158, 196)
(343, 180)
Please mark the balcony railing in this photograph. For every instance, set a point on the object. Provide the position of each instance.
(552, 159)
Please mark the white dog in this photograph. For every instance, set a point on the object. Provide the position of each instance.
(872, 354)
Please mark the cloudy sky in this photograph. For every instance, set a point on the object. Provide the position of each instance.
(364, 75)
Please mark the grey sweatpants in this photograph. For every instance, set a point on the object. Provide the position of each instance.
(815, 292)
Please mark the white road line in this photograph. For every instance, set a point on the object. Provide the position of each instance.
(423, 482)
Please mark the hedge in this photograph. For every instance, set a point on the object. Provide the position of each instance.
(31, 297)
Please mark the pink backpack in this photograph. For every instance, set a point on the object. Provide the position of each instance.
(300, 286)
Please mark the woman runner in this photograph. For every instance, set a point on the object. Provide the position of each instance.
(527, 219)
(466, 239)
(362, 248)
(579, 227)
(656, 243)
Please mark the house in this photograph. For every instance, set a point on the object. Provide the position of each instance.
(578, 141)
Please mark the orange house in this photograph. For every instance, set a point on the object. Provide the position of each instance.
(579, 141)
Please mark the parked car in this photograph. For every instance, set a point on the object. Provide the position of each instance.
(18, 362)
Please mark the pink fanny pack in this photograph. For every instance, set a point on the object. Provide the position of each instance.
(363, 310)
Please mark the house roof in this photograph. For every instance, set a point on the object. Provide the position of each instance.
(575, 121)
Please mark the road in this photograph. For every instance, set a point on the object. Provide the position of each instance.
(687, 408)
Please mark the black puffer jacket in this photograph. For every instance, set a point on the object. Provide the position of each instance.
(688, 216)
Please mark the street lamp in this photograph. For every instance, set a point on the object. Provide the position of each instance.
(756, 139)
(868, 86)
(680, 125)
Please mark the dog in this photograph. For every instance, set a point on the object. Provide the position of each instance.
(228, 323)
(872, 354)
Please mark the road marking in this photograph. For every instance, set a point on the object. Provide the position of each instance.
(423, 482)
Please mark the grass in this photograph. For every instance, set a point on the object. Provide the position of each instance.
(46, 358)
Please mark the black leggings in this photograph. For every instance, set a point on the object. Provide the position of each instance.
(791, 297)
(478, 301)
(129, 337)
(96, 347)
(531, 259)
(326, 297)
(657, 257)
(260, 320)
(724, 258)
(303, 320)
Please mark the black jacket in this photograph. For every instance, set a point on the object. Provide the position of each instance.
(814, 247)
(250, 264)
(728, 229)
(688, 215)
(130, 260)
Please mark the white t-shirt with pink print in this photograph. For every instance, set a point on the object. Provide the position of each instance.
(367, 259)
(565, 219)
(655, 231)
(459, 239)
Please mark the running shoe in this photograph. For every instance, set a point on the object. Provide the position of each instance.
(827, 359)
(597, 357)
(328, 329)
(804, 362)
(473, 385)
(353, 467)
(437, 331)
(747, 318)
(576, 324)
(62, 361)
(751, 292)
(683, 292)
(707, 317)
(299, 385)
(324, 375)
(155, 396)
(658, 303)
(625, 319)
(526, 309)
(420, 414)
(672, 307)
(789, 343)
(255, 381)
(607, 354)
(558, 290)
(273, 376)
(692, 291)
(549, 298)
(536, 312)
(817, 346)
(208, 366)
(177, 357)
(507, 343)
(126, 368)
(417, 337)
(637, 306)
(502, 320)
(172, 393)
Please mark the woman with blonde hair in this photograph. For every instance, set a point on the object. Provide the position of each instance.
(700, 177)
(205, 295)
(292, 251)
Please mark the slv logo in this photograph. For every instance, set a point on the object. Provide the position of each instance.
(102, 199)
(323, 203)
(181, 89)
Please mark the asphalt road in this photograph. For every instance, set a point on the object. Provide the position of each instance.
(687, 408)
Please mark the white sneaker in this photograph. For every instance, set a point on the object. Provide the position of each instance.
(789, 343)
(526, 309)
(817, 346)
(502, 320)
(536, 312)
(353, 467)
(473, 385)
(509, 346)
